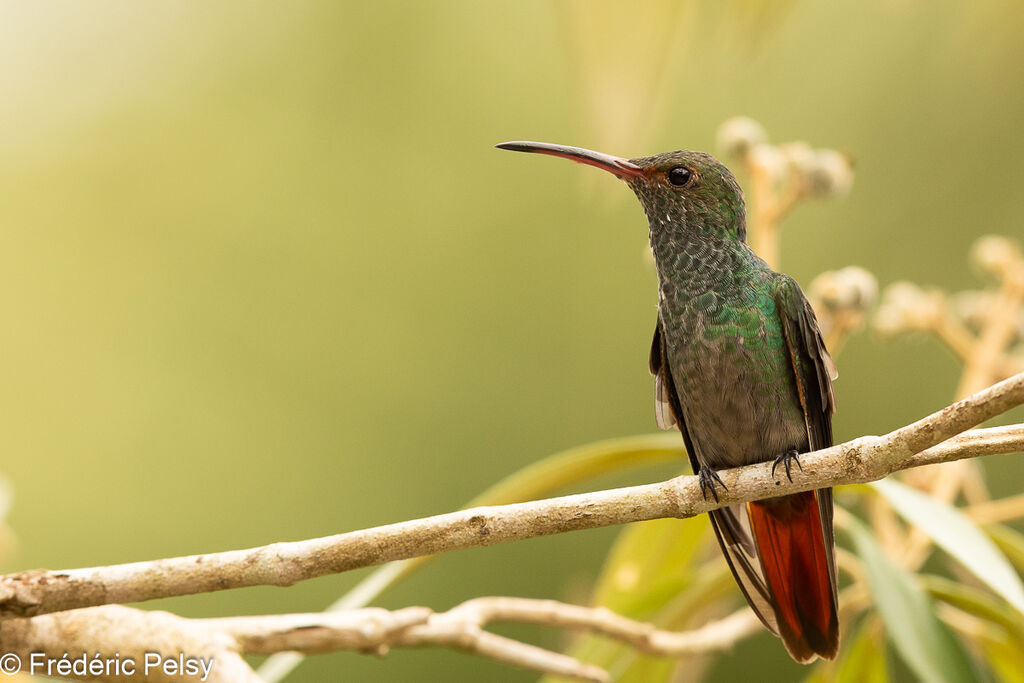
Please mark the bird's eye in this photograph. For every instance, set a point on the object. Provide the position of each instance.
(679, 175)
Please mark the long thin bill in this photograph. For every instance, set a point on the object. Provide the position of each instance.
(623, 168)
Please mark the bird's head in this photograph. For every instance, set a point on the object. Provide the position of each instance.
(681, 190)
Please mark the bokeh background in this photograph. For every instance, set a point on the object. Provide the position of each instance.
(263, 276)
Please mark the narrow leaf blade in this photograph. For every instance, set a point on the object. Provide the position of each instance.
(864, 661)
(955, 533)
(924, 642)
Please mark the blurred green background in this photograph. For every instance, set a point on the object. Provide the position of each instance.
(263, 276)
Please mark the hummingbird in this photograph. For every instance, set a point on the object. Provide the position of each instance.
(741, 370)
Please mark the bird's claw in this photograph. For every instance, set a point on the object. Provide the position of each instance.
(786, 460)
(708, 479)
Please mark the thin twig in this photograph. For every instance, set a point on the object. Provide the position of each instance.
(764, 231)
(952, 331)
(995, 511)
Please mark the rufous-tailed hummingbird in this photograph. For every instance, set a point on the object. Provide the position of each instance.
(742, 371)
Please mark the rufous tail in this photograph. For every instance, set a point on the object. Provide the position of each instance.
(795, 560)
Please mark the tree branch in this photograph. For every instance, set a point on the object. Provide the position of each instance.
(282, 564)
(132, 634)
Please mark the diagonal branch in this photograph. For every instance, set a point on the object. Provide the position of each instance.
(282, 564)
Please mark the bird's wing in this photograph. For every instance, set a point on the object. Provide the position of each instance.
(812, 364)
(663, 411)
(731, 524)
(814, 371)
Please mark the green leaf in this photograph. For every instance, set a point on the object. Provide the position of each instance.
(645, 669)
(924, 642)
(644, 558)
(978, 603)
(583, 462)
(955, 533)
(861, 659)
(864, 661)
(1010, 541)
(1006, 659)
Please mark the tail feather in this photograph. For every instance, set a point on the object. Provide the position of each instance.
(795, 560)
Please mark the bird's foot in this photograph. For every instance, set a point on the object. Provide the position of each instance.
(709, 479)
(787, 459)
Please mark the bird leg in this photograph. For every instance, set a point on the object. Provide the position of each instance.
(708, 479)
(787, 459)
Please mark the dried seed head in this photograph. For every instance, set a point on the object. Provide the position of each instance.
(739, 135)
(905, 306)
(768, 160)
(800, 158)
(996, 254)
(851, 289)
(831, 174)
(972, 306)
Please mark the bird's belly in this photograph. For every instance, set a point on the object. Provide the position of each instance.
(738, 411)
